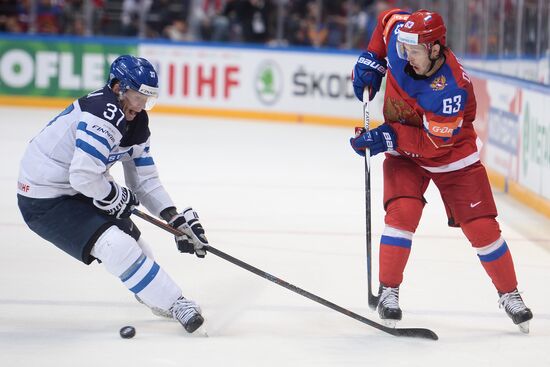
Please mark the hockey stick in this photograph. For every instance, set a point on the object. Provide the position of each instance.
(373, 300)
(410, 332)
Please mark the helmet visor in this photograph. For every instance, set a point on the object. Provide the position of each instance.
(143, 99)
(407, 46)
(152, 94)
(405, 38)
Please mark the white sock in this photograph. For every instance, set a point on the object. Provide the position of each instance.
(123, 257)
(147, 250)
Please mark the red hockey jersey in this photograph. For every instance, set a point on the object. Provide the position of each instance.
(431, 116)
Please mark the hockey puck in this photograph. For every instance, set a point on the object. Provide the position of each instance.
(127, 332)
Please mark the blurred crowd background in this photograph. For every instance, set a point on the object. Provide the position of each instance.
(479, 28)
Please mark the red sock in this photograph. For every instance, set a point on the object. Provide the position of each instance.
(500, 267)
(402, 217)
(394, 253)
(493, 252)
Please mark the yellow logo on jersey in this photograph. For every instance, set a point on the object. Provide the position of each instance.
(439, 83)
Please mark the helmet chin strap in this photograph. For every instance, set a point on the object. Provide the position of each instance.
(433, 61)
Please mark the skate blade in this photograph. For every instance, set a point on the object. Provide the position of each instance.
(389, 323)
(524, 327)
(201, 332)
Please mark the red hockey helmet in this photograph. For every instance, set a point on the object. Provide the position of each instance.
(423, 26)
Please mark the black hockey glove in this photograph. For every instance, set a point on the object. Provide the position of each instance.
(193, 239)
(119, 203)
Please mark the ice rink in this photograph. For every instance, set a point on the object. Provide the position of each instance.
(288, 199)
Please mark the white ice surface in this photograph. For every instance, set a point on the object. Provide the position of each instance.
(288, 199)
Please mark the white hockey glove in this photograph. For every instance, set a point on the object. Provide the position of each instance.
(119, 203)
(194, 239)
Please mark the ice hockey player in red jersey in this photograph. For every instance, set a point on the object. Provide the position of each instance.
(428, 135)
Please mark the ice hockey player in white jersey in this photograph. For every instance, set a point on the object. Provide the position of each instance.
(66, 195)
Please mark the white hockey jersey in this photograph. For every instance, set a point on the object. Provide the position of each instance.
(75, 150)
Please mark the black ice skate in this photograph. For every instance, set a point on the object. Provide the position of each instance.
(188, 313)
(388, 305)
(516, 309)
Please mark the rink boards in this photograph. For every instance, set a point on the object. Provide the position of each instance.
(297, 85)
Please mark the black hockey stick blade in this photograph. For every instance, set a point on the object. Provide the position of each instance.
(414, 333)
(407, 332)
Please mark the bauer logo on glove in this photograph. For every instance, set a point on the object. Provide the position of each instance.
(381, 139)
(368, 73)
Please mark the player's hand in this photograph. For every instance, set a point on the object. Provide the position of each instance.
(119, 203)
(193, 239)
(377, 140)
(368, 73)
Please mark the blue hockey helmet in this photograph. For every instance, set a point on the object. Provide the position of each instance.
(138, 74)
